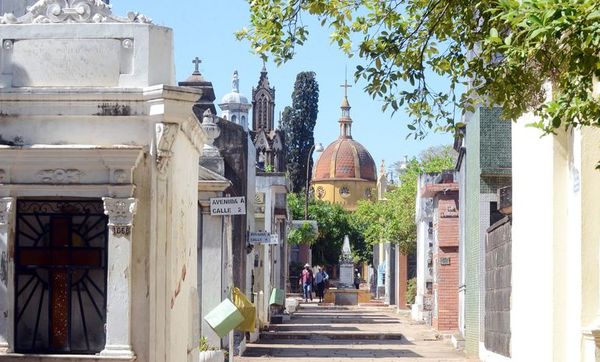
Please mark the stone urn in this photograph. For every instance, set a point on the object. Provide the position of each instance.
(212, 356)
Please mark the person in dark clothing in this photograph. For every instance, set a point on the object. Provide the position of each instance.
(320, 279)
(356, 278)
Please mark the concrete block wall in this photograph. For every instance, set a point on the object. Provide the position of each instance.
(498, 269)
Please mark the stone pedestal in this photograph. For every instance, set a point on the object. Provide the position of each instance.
(347, 296)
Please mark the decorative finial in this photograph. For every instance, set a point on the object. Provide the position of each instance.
(236, 82)
(196, 63)
(264, 67)
(382, 168)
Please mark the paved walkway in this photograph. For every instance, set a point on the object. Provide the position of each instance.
(319, 333)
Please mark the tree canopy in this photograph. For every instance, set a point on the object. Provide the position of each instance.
(334, 223)
(298, 123)
(503, 49)
(393, 220)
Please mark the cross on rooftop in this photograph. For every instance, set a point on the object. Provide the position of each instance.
(346, 85)
(196, 63)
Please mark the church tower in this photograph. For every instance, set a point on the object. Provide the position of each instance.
(263, 104)
(269, 141)
(234, 105)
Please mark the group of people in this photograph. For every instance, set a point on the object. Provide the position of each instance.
(307, 280)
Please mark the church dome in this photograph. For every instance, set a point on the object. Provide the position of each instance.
(235, 97)
(343, 159)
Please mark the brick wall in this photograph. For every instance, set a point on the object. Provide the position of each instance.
(446, 262)
(446, 286)
(498, 268)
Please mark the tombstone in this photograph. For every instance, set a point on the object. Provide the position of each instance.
(346, 266)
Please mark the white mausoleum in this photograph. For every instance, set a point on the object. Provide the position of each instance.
(99, 185)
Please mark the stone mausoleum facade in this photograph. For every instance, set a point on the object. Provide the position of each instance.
(99, 182)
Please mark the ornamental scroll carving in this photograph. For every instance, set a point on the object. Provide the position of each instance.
(71, 11)
(165, 137)
(120, 214)
(6, 209)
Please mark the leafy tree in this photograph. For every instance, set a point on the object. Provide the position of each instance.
(298, 123)
(393, 219)
(334, 223)
(302, 235)
(503, 49)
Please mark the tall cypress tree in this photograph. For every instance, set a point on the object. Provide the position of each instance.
(298, 123)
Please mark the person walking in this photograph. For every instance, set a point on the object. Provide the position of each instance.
(320, 279)
(306, 279)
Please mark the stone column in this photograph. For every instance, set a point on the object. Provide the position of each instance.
(120, 213)
(7, 207)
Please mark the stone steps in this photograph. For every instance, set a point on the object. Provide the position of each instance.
(328, 335)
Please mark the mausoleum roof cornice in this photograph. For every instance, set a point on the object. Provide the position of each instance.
(72, 11)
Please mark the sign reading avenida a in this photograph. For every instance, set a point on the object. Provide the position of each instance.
(228, 206)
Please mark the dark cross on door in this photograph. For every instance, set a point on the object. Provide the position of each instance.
(196, 63)
(60, 257)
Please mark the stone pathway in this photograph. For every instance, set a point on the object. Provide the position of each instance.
(318, 333)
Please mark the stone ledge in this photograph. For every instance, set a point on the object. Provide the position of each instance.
(8, 357)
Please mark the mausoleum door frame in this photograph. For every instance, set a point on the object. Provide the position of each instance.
(120, 211)
(114, 185)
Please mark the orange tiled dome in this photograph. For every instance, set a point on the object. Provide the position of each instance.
(345, 158)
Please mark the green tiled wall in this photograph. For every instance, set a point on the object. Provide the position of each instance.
(495, 145)
(472, 236)
(488, 167)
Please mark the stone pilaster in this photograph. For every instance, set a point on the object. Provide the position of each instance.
(7, 207)
(120, 213)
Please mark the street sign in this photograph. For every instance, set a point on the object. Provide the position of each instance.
(274, 239)
(228, 206)
(260, 237)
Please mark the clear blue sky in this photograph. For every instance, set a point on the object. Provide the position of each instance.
(205, 28)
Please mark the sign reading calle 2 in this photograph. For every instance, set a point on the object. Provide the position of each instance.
(228, 206)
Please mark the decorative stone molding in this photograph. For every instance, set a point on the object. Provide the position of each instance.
(7, 44)
(212, 132)
(60, 176)
(120, 214)
(72, 11)
(165, 137)
(6, 209)
(3, 176)
(119, 176)
(192, 129)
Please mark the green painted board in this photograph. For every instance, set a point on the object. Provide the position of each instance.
(277, 297)
(224, 318)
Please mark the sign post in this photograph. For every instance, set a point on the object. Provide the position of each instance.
(227, 206)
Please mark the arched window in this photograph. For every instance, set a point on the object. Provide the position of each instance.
(243, 119)
(233, 118)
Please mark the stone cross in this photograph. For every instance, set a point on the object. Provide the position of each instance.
(196, 63)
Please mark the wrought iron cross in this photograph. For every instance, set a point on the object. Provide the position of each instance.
(196, 63)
